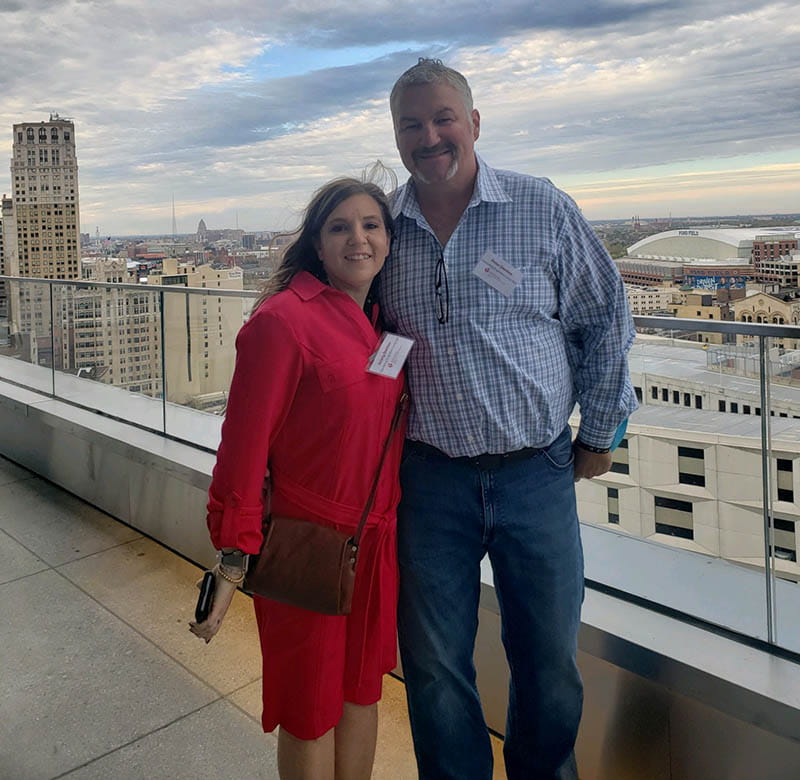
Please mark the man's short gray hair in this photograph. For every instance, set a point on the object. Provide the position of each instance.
(430, 71)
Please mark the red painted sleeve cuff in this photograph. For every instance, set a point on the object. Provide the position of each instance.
(233, 525)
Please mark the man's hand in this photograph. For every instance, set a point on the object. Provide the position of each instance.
(590, 464)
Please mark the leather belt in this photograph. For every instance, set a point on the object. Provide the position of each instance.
(486, 462)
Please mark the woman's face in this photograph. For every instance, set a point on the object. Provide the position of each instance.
(353, 245)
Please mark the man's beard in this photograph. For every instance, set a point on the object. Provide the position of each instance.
(451, 171)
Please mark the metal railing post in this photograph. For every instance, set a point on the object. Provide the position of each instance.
(163, 363)
(766, 487)
(52, 342)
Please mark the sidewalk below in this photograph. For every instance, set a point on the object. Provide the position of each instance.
(99, 675)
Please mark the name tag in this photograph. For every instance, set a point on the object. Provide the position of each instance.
(390, 356)
(497, 273)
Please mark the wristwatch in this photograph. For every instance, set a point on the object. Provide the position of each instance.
(236, 559)
(589, 448)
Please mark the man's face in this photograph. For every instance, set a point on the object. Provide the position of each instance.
(435, 135)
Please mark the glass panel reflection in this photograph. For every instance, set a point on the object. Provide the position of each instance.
(27, 349)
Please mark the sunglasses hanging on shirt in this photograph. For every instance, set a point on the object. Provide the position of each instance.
(441, 290)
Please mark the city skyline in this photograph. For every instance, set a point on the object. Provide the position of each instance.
(645, 108)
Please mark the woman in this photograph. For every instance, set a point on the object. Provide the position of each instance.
(304, 409)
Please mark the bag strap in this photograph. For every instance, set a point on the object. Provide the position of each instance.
(398, 413)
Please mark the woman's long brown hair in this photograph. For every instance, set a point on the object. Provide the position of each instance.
(301, 254)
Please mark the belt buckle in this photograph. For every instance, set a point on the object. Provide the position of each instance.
(490, 462)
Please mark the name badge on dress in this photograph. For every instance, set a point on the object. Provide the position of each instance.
(497, 273)
(390, 356)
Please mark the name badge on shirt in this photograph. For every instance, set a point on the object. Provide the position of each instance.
(390, 356)
(497, 273)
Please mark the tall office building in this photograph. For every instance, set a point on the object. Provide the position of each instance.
(42, 233)
(44, 174)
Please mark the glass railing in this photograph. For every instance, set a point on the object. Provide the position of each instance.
(708, 476)
(159, 356)
(698, 515)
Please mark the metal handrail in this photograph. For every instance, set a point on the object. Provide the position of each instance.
(718, 326)
(216, 292)
(641, 321)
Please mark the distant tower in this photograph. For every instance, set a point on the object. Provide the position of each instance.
(97, 234)
(174, 222)
(201, 230)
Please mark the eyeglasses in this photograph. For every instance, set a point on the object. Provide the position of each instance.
(442, 291)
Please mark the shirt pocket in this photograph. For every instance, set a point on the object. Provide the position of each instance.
(339, 374)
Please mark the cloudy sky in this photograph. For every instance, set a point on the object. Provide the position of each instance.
(240, 109)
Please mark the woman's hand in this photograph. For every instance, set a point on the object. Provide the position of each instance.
(223, 595)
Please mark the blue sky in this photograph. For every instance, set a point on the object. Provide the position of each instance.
(242, 109)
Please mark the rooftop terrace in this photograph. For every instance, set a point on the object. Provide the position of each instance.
(101, 677)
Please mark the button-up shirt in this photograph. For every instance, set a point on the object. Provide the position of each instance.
(504, 373)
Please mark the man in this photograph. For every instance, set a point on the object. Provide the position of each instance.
(517, 312)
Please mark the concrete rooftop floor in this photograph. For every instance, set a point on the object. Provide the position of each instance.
(99, 675)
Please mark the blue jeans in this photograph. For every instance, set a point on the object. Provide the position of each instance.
(523, 514)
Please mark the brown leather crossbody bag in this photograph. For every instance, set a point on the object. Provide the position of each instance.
(310, 565)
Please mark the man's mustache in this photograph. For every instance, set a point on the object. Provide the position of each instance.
(432, 151)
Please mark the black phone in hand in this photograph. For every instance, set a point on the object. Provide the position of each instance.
(206, 597)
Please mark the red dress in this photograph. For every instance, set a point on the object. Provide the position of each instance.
(302, 403)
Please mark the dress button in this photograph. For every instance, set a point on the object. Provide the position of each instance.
(451, 351)
(459, 397)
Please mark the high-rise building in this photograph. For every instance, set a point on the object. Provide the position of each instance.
(42, 230)
(199, 331)
(44, 173)
(117, 333)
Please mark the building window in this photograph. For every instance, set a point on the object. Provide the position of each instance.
(746, 409)
(785, 480)
(654, 392)
(620, 463)
(676, 397)
(687, 399)
(698, 402)
(691, 466)
(613, 505)
(734, 407)
(664, 394)
(674, 517)
(721, 406)
(785, 544)
(638, 391)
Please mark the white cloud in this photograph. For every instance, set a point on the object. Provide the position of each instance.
(179, 98)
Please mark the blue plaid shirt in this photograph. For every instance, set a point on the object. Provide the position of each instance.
(505, 373)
